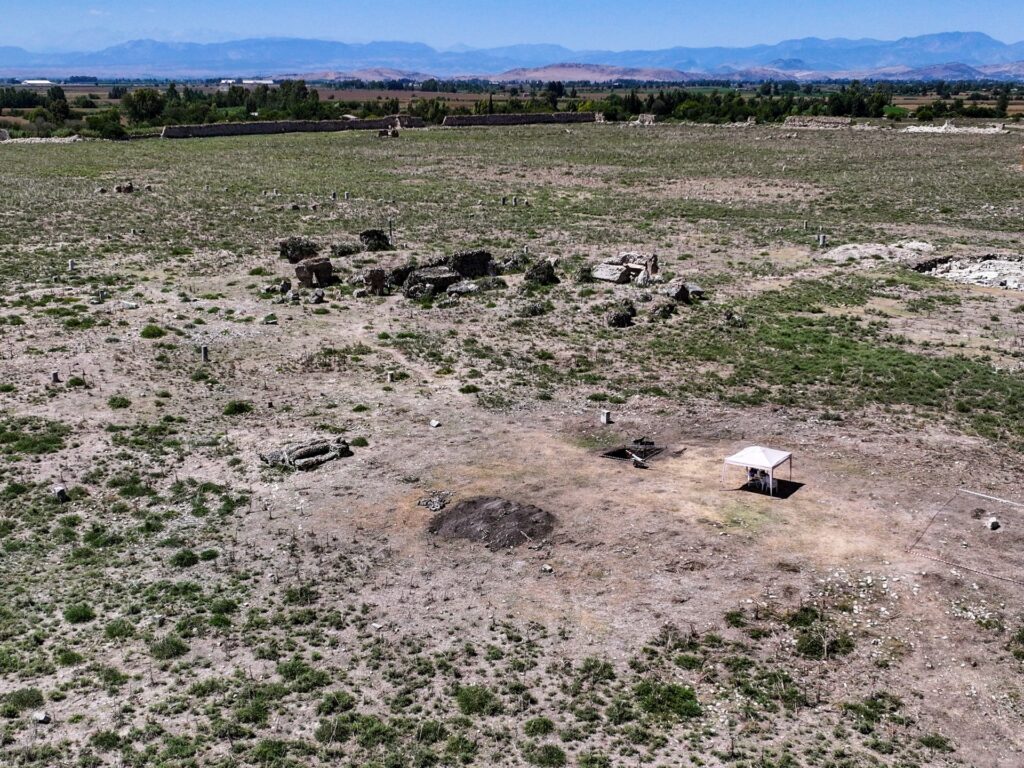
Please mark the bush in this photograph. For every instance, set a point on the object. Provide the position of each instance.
(667, 700)
(105, 740)
(937, 742)
(79, 613)
(594, 760)
(818, 643)
(477, 700)
(296, 249)
(237, 407)
(184, 558)
(118, 402)
(119, 629)
(152, 332)
(335, 730)
(538, 726)
(170, 647)
(335, 702)
(19, 700)
(547, 755)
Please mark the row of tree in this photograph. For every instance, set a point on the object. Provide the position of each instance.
(295, 100)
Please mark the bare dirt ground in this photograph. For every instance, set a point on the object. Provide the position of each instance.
(191, 606)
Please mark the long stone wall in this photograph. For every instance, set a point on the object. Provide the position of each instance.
(287, 126)
(530, 118)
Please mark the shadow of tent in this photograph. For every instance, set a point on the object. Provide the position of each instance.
(783, 489)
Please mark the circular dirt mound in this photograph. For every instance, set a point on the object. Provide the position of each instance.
(498, 523)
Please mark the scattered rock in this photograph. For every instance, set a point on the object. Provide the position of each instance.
(662, 311)
(4, 135)
(463, 288)
(517, 262)
(125, 189)
(498, 523)
(541, 273)
(993, 524)
(435, 423)
(318, 296)
(101, 190)
(307, 455)
(491, 284)
(60, 493)
(42, 717)
(435, 501)
(585, 274)
(621, 316)
(429, 281)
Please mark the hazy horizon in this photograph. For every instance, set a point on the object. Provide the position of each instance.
(57, 26)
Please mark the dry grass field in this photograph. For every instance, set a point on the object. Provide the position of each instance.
(190, 605)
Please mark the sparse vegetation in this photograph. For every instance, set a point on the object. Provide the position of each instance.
(171, 599)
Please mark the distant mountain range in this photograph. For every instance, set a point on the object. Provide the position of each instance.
(951, 55)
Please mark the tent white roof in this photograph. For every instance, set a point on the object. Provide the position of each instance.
(759, 458)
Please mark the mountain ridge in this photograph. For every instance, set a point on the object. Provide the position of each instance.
(837, 58)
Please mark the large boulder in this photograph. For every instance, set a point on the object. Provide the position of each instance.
(376, 281)
(541, 273)
(621, 315)
(314, 273)
(429, 281)
(678, 290)
(375, 240)
(296, 249)
(611, 273)
(472, 263)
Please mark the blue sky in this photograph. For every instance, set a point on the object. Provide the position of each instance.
(580, 24)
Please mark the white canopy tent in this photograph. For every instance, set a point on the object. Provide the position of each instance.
(764, 459)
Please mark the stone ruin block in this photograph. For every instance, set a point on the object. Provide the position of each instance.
(611, 273)
(541, 273)
(472, 263)
(677, 290)
(376, 281)
(429, 281)
(313, 273)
